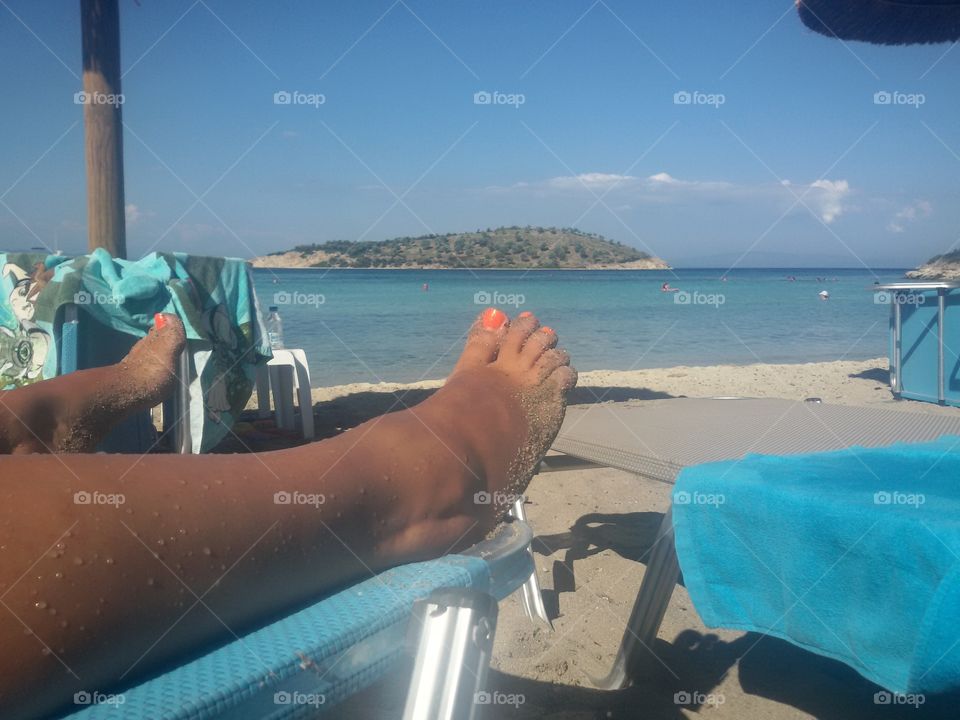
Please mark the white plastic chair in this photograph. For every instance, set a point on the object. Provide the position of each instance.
(287, 375)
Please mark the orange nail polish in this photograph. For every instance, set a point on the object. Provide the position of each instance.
(493, 319)
(159, 321)
(547, 329)
(525, 314)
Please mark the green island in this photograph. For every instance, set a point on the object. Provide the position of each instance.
(499, 248)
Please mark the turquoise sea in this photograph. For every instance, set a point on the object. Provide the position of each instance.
(381, 325)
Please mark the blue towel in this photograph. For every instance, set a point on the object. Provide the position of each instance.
(853, 554)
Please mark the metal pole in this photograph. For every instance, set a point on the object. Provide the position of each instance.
(897, 348)
(940, 380)
(102, 101)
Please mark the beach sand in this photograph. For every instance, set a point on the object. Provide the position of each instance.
(593, 528)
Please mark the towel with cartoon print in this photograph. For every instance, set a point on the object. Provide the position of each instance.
(212, 296)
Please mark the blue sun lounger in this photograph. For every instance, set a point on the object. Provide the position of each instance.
(308, 662)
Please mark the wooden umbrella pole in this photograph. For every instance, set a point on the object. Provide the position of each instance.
(103, 123)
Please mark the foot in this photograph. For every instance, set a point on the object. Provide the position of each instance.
(506, 396)
(73, 413)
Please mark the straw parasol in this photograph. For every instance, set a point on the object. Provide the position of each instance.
(884, 22)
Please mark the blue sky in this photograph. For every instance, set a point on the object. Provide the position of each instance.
(781, 150)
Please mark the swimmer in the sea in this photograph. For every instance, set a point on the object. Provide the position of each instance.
(666, 287)
(104, 556)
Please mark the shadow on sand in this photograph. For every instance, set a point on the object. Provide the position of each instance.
(335, 416)
(878, 375)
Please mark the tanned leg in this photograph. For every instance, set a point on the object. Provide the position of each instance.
(97, 592)
(73, 413)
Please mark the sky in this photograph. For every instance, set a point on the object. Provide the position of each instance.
(703, 136)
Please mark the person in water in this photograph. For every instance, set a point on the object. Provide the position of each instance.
(115, 565)
(666, 287)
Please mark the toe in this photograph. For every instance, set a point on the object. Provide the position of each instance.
(565, 377)
(520, 329)
(537, 344)
(549, 361)
(483, 340)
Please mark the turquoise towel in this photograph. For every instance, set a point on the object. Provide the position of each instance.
(853, 554)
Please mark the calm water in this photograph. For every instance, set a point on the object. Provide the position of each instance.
(375, 325)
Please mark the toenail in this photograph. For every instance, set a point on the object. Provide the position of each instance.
(546, 329)
(493, 319)
(159, 321)
(525, 314)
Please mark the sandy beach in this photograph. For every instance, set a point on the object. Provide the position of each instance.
(593, 528)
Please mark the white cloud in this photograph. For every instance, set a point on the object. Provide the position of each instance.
(132, 213)
(591, 181)
(828, 196)
(909, 213)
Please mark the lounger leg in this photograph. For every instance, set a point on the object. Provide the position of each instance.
(532, 596)
(453, 630)
(180, 406)
(661, 577)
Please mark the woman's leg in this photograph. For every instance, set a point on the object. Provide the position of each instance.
(73, 413)
(113, 564)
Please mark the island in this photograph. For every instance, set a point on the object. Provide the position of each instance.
(939, 267)
(500, 248)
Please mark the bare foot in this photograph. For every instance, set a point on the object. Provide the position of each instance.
(73, 413)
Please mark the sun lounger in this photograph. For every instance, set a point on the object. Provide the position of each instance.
(315, 658)
(657, 439)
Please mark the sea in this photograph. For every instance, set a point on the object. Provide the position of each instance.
(409, 325)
